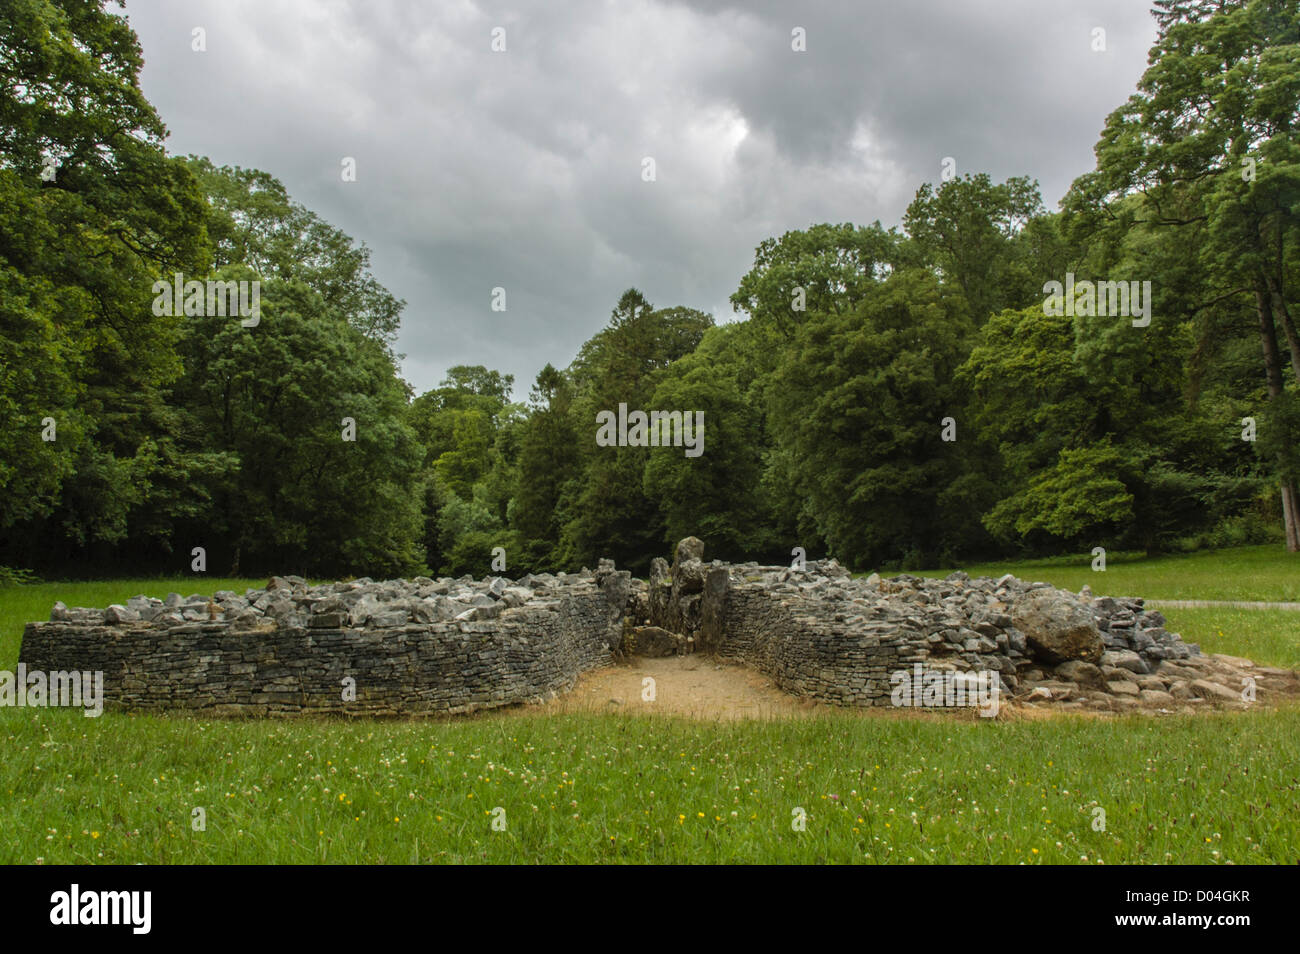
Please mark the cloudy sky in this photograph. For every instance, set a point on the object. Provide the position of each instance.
(523, 168)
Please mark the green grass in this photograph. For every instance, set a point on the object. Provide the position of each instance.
(1268, 637)
(20, 605)
(1209, 789)
(1265, 573)
(1205, 789)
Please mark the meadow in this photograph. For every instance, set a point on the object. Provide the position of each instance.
(519, 787)
(1264, 573)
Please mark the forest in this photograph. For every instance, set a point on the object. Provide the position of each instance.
(900, 397)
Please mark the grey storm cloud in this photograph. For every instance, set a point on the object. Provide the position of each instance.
(522, 169)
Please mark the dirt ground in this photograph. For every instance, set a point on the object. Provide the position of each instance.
(692, 685)
(700, 687)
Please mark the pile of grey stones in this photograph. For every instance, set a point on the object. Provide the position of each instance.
(291, 601)
(960, 615)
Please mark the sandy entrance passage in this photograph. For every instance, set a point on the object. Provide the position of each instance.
(693, 685)
(699, 687)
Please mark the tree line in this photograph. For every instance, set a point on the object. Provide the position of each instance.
(900, 397)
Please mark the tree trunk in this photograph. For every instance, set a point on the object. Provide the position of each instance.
(1291, 503)
(1273, 370)
(1283, 317)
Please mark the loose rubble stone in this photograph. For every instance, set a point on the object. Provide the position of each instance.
(1125, 659)
(120, 614)
(1212, 690)
(1084, 673)
(652, 641)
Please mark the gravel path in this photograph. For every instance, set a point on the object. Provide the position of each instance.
(1211, 604)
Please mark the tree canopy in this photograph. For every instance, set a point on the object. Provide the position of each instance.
(894, 397)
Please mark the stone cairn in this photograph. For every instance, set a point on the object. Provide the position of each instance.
(450, 646)
(820, 632)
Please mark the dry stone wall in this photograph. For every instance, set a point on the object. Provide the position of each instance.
(823, 634)
(409, 647)
(819, 632)
(447, 646)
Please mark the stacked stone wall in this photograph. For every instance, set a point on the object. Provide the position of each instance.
(449, 646)
(304, 661)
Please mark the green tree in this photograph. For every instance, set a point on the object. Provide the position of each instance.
(969, 230)
(609, 513)
(1209, 140)
(548, 468)
(824, 268)
(252, 221)
(93, 213)
(466, 426)
(718, 495)
(276, 395)
(859, 402)
(1096, 442)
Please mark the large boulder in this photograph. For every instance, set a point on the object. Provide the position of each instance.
(1058, 626)
(713, 608)
(676, 594)
(653, 641)
(688, 566)
(659, 591)
(689, 548)
(689, 577)
(617, 587)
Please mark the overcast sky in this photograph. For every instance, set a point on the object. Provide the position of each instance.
(522, 169)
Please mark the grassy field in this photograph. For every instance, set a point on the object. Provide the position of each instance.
(1269, 637)
(1198, 789)
(1266, 573)
(1206, 789)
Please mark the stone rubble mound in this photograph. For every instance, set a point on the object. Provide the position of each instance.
(363, 603)
(1047, 644)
